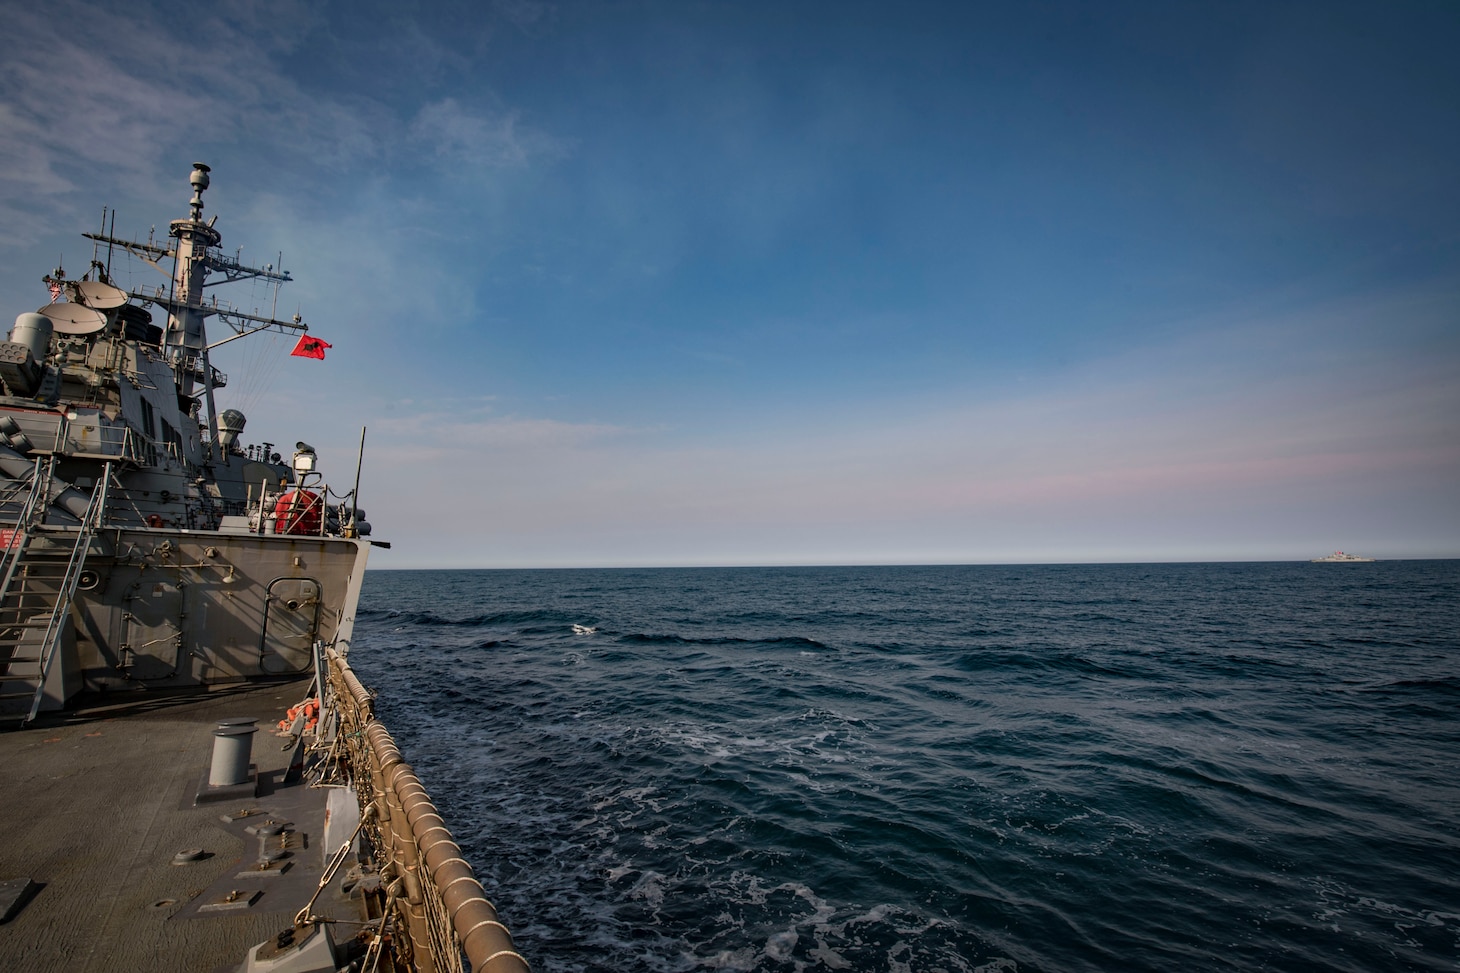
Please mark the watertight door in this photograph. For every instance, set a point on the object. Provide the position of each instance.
(153, 625)
(291, 624)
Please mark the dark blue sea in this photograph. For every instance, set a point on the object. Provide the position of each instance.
(1033, 768)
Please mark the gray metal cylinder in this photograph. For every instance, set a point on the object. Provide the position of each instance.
(33, 331)
(232, 748)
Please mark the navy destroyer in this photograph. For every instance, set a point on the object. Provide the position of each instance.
(165, 589)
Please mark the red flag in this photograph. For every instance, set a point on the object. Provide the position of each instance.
(310, 347)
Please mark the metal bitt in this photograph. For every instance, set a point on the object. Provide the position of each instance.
(232, 750)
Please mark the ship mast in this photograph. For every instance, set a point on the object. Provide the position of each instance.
(195, 254)
(185, 317)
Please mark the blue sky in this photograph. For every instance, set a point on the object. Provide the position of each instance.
(747, 283)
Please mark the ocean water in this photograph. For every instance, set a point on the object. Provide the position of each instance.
(1032, 768)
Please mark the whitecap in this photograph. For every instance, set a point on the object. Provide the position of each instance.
(780, 946)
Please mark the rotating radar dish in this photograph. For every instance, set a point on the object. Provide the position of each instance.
(71, 318)
(94, 293)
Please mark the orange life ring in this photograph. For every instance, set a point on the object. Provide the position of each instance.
(154, 520)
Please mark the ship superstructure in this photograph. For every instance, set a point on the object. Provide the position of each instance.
(141, 543)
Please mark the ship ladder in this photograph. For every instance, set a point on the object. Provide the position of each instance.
(32, 596)
(16, 539)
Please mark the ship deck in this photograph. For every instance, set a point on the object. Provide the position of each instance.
(100, 801)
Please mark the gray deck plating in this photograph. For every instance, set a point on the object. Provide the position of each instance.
(102, 801)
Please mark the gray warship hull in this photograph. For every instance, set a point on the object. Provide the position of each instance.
(166, 593)
(169, 609)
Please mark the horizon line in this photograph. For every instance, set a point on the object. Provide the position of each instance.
(899, 564)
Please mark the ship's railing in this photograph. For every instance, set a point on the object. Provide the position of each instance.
(88, 437)
(121, 441)
(195, 366)
(433, 891)
(299, 510)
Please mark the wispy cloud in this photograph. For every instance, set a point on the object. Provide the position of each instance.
(442, 436)
(477, 138)
(147, 84)
(526, 15)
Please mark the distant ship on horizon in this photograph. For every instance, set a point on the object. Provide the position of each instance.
(1340, 557)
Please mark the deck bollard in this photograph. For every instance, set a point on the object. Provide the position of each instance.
(232, 749)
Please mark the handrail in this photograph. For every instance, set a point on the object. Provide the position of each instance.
(195, 365)
(19, 537)
(95, 513)
(434, 890)
(112, 439)
(267, 508)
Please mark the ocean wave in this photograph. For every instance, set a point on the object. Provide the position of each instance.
(466, 621)
(781, 641)
(1444, 686)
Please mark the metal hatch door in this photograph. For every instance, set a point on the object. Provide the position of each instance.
(153, 629)
(291, 624)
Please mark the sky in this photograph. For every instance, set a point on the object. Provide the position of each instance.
(703, 283)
